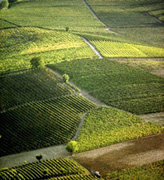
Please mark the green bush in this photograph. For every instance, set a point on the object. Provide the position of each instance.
(4, 4)
(37, 62)
(65, 78)
(72, 146)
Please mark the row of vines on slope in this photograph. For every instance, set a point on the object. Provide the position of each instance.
(42, 124)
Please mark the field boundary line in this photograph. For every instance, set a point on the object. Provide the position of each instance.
(154, 17)
(10, 22)
(93, 48)
(94, 14)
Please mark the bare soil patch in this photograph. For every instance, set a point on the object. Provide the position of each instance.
(123, 155)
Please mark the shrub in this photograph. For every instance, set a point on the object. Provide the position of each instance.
(72, 146)
(4, 4)
(67, 29)
(65, 78)
(37, 62)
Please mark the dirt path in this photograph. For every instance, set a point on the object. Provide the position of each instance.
(154, 117)
(79, 127)
(47, 153)
(92, 47)
(123, 155)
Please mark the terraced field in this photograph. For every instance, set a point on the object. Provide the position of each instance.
(116, 84)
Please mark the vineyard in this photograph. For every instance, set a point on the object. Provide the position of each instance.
(116, 84)
(33, 85)
(20, 45)
(152, 171)
(42, 124)
(130, 19)
(56, 15)
(52, 169)
(105, 126)
(119, 49)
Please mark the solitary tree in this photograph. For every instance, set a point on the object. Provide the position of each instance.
(36, 62)
(4, 4)
(65, 78)
(38, 157)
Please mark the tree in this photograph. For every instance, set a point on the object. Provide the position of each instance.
(38, 157)
(72, 146)
(65, 78)
(4, 4)
(36, 62)
(67, 29)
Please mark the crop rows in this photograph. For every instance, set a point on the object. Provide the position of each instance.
(20, 45)
(108, 125)
(36, 85)
(152, 171)
(42, 124)
(43, 170)
(130, 20)
(119, 49)
(116, 84)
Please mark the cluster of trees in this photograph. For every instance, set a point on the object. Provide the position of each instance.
(5, 3)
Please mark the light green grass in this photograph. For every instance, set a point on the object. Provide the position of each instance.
(119, 49)
(105, 126)
(153, 171)
(117, 84)
(20, 45)
(51, 14)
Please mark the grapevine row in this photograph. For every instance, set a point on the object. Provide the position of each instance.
(42, 124)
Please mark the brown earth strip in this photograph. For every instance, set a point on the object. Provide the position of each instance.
(123, 155)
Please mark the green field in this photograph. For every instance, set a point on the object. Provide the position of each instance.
(56, 169)
(39, 109)
(56, 15)
(105, 126)
(33, 85)
(153, 171)
(20, 45)
(129, 19)
(42, 124)
(120, 49)
(117, 84)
